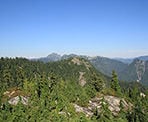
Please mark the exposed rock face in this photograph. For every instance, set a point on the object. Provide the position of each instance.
(113, 102)
(140, 69)
(77, 61)
(87, 111)
(14, 100)
(15, 96)
(142, 95)
(82, 80)
(17, 99)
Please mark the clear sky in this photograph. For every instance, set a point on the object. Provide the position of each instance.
(36, 28)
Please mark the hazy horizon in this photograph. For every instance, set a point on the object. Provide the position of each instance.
(34, 28)
(61, 54)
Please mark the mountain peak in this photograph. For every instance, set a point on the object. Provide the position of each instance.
(54, 55)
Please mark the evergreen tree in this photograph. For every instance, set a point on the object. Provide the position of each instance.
(7, 78)
(115, 83)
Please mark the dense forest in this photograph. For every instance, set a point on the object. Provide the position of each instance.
(33, 91)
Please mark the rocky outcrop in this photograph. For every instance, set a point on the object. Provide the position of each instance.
(77, 61)
(14, 96)
(17, 99)
(82, 80)
(112, 101)
(142, 95)
(87, 111)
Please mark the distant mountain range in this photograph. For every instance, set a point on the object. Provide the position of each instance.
(130, 60)
(56, 57)
(130, 69)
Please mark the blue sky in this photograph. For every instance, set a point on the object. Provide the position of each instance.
(36, 28)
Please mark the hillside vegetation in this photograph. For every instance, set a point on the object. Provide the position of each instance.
(70, 90)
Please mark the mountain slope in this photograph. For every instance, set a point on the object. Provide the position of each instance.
(106, 65)
(124, 60)
(144, 58)
(75, 68)
(103, 64)
(125, 67)
(136, 71)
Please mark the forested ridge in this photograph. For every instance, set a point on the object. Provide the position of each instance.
(135, 70)
(49, 92)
